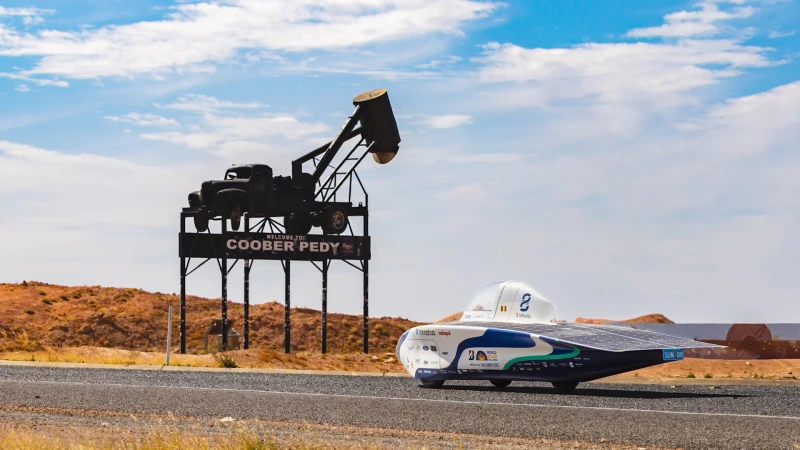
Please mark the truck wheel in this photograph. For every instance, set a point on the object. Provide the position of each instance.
(236, 216)
(201, 223)
(297, 223)
(334, 220)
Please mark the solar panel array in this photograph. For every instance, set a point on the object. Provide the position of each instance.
(601, 337)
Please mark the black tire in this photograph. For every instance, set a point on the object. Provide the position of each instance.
(501, 383)
(334, 220)
(201, 223)
(564, 387)
(432, 384)
(236, 215)
(297, 223)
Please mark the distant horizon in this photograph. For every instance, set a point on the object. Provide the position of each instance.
(331, 311)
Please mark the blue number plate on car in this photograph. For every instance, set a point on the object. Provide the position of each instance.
(673, 354)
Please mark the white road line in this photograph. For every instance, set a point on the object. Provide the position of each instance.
(402, 399)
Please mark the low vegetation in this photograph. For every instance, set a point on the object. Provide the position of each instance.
(158, 439)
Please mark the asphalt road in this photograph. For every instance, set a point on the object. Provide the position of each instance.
(737, 417)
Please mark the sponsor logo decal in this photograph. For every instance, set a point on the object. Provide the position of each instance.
(526, 300)
(425, 332)
(433, 348)
(503, 308)
(672, 354)
(483, 358)
(444, 333)
(425, 347)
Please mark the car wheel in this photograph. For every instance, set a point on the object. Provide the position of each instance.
(501, 383)
(563, 387)
(201, 223)
(334, 220)
(432, 384)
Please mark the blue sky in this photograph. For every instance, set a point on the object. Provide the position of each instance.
(621, 157)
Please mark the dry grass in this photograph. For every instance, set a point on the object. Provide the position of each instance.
(168, 438)
(265, 359)
(47, 430)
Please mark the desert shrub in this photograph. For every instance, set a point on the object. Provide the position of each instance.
(708, 375)
(22, 342)
(28, 311)
(42, 293)
(691, 375)
(225, 360)
(47, 301)
(76, 295)
(64, 297)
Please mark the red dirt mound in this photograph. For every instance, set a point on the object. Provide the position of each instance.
(39, 314)
(451, 318)
(647, 318)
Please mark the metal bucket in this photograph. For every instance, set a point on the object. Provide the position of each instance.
(378, 124)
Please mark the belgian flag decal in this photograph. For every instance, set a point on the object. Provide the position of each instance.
(503, 308)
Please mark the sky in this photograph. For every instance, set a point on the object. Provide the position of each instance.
(622, 158)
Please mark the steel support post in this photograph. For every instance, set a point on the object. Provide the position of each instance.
(224, 270)
(287, 323)
(324, 306)
(183, 287)
(247, 292)
(366, 289)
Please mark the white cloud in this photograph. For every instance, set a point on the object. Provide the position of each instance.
(143, 120)
(22, 88)
(439, 62)
(447, 121)
(102, 190)
(778, 34)
(440, 122)
(686, 24)
(36, 81)
(638, 81)
(486, 158)
(220, 130)
(614, 72)
(205, 103)
(235, 137)
(211, 32)
(24, 12)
